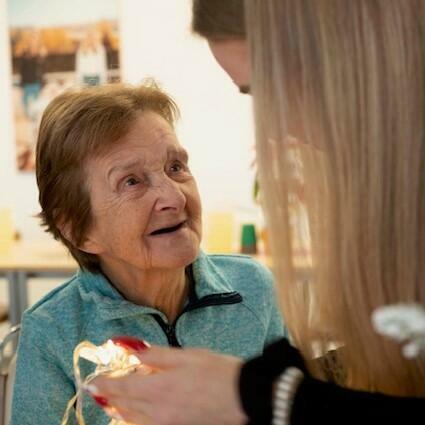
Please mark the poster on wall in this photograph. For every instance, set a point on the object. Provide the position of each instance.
(57, 44)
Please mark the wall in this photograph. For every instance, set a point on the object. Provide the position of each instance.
(216, 124)
(17, 191)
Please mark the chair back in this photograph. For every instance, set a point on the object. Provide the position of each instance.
(7, 372)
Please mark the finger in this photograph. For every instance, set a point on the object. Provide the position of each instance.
(130, 343)
(108, 387)
(129, 410)
(134, 418)
(164, 357)
(136, 385)
(126, 406)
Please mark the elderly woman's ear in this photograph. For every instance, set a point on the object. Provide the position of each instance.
(90, 246)
(65, 229)
(87, 245)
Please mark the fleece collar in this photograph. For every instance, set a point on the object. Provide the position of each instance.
(95, 288)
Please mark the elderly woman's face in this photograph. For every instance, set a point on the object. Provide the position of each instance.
(145, 203)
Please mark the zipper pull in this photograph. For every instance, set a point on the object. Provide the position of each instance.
(171, 334)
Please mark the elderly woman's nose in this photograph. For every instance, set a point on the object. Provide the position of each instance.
(170, 196)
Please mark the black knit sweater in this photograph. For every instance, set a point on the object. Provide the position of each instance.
(318, 402)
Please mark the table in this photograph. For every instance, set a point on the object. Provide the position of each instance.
(24, 260)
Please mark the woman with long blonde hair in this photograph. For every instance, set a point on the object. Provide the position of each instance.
(341, 83)
(346, 79)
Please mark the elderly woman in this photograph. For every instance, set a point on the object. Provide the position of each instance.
(116, 189)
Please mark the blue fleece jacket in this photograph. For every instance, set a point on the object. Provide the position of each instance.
(231, 310)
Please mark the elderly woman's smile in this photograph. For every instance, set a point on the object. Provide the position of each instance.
(166, 230)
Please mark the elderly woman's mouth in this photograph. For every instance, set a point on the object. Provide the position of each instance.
(169, 229)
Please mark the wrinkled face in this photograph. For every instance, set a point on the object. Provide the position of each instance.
(145, 203)
(233, 56)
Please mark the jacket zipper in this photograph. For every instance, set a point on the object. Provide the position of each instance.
(207, 301)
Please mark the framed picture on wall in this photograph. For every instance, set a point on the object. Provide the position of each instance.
(57, 44)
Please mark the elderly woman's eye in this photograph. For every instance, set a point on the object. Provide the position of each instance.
(176, 167)
(131, 181)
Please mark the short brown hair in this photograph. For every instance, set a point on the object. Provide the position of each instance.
(218, 19)
(77, 125)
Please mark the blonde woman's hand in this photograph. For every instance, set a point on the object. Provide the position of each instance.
(192, 387)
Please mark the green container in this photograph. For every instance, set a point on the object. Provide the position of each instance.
(248, 239)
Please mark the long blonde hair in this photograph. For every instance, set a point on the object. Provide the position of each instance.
(346, 79)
